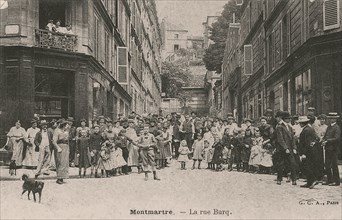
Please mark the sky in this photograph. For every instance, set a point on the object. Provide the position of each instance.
(189, 13)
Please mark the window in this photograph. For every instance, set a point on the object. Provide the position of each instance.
(303, 92)
(270, 53)
(122, 65)
(284, 36)
(331, 14)
(277, 44)
(175, 47)
(176, 36)
(107, 44)
(248, 59)
(96, 37)
(122, 107)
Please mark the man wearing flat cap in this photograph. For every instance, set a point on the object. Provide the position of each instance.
(43, 141)
(286, 147)
(331, 141)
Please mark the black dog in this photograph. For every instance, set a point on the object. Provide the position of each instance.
(13, 168)
(32, 185)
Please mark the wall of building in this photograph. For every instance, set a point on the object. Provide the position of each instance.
(290, 48)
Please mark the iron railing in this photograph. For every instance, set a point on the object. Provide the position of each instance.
(47, 39)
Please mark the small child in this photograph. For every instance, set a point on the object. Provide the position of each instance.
(183, 154)
(118, 161)
(198, 149)
(227, 151)
(105, 163)
(255, 158)
(125, 153)
(237, 145)
(266, 162)
(159, 150)
(206, 151)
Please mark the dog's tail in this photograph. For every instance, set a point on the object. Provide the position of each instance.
(24, 177)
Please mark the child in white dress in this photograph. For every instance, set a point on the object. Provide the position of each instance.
(118, 160)
(183, 154)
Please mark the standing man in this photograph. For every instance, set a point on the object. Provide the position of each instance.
(232, 126)
(307, 141)
(286, 147)
(331, 143)
(147, 143)
(72, 141)
(43, 140)
(270, 119)
(188, 130)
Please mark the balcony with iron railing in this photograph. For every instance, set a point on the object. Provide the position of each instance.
(51, 40)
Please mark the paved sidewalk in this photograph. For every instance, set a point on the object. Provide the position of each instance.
(73, 174)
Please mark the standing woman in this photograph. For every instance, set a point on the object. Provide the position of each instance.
(17, 135)
(82, 147)
(167, 138)
(61, 143)
(53, 126)
(31, 157)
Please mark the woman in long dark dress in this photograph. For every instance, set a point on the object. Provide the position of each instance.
(217, 156)
(61, 143)
(82, 149)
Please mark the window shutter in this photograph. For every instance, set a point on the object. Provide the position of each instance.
(122, 65)
(331, 14)
(281, 99)
(239, 2)
(248, 59)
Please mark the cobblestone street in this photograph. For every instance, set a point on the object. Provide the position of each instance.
(189, 194)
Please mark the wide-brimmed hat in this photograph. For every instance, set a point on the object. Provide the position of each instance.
(71, 119)
(263, 117)
(43, 122)
(333, 115)
(311, 109)
(302, 119)
(248, 119)
(33, 121)
(322, 116)
(130, 120)
(61, 120)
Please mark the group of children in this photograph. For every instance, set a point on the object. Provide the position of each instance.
(246, 148)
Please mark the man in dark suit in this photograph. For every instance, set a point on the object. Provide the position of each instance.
(307, 140)
(331, 143)
(43, 141)
(72, 141)
(286, 147)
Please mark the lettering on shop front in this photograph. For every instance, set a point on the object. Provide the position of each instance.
(53, 62)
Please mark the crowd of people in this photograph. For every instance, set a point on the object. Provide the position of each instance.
(298, 146)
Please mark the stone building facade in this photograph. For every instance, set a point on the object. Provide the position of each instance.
(108, 65)
(290, 56)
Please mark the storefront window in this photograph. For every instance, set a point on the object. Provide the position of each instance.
(303, 92)
(52, 93)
